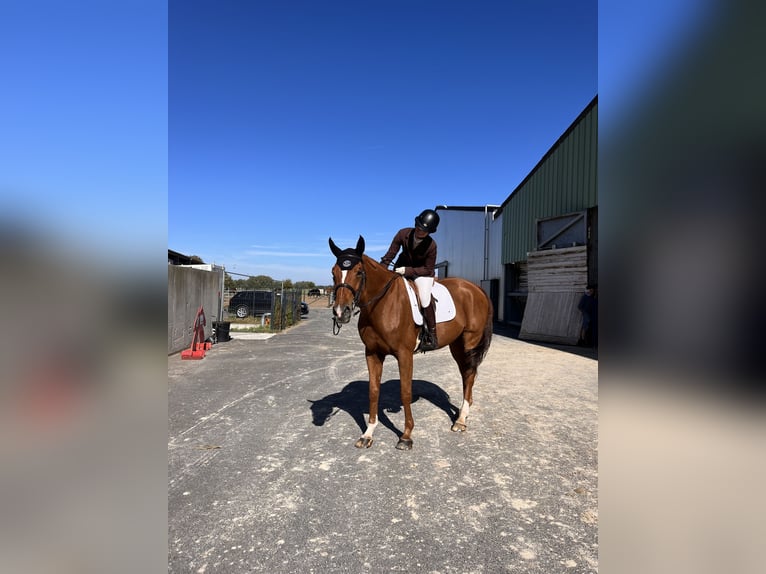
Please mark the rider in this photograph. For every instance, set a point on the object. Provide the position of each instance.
(417, 261)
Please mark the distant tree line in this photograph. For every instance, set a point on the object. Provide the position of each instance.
(263, 282)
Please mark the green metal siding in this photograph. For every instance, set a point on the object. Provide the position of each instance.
(564, 181)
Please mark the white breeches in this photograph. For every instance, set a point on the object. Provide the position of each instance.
(424, 285)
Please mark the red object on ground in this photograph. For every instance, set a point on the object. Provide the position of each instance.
(198, 346)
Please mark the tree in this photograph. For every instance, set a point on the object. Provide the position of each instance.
(304, 285)
(264, 282)
(260, 282)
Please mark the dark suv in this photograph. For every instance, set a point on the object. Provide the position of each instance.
(246, 303)
(314, 293)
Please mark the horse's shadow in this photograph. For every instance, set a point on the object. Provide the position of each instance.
(354, 400)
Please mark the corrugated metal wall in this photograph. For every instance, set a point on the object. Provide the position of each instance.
(460, 242)
(495, 267)
(564, 181)
(468, 240)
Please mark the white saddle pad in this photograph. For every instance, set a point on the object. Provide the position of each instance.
(445, 306)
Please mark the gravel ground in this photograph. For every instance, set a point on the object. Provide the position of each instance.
(264, 477)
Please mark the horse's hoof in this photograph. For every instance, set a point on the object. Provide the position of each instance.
(363, 442)
(458, 427)
(404, 444)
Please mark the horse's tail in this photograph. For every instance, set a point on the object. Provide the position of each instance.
(476, 355)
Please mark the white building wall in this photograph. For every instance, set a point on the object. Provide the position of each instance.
(188, 289)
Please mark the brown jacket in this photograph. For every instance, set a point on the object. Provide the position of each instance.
(418, 261)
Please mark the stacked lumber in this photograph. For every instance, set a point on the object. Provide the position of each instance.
(557, 270)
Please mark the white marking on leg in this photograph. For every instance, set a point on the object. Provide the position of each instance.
(370, 429)
(464, 408)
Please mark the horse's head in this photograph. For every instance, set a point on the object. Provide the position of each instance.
(348, 279)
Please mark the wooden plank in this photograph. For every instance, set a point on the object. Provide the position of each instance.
(556, 252)
(552, 317)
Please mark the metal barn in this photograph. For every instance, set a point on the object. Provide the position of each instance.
(549, 246)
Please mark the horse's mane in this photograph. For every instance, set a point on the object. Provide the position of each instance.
(367, 259)
(374, 264)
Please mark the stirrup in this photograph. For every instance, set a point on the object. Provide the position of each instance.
(427, 342)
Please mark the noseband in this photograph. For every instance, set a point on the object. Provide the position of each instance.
(336, 325)
(354, 292)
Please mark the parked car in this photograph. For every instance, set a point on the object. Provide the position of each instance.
(314, 292)
(250, 303)
(304, 308)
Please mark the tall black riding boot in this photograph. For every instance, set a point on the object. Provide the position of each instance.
(429, 342)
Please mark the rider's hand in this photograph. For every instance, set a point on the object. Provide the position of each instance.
(400, 270)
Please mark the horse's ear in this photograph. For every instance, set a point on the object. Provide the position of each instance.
(334, 248)
(360, 246)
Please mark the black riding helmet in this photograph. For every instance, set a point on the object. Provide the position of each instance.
(427, 221)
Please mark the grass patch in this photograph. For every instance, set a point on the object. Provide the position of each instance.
(253, 329)
(248, 325)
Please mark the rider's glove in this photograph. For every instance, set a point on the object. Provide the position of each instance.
(400, 270)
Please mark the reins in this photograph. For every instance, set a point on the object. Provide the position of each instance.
(382, 293)
(356, 304)
(336, 325)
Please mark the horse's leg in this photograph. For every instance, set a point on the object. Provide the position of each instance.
(375, 369)
(468, 374)
(405, 383)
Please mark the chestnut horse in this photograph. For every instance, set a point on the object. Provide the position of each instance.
(386, 327)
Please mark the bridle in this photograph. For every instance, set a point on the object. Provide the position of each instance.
(355, 304)
(347, 261)
(336, 325)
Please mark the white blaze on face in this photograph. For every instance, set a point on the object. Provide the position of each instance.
(337, 308)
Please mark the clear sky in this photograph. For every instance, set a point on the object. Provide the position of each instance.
(290, 122)
(83, 124)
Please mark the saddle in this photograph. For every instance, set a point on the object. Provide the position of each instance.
(445, 306)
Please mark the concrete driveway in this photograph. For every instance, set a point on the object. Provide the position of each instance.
(264, 477)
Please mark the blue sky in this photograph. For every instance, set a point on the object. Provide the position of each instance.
(83, 123)
(291, 122)
(247, 133)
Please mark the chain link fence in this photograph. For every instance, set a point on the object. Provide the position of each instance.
(286, 309)
(277, 309)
